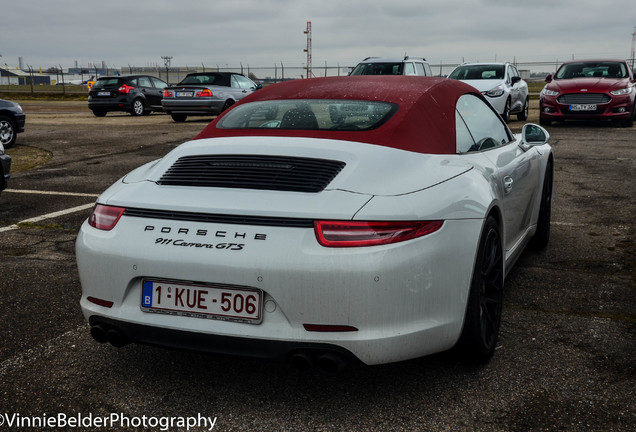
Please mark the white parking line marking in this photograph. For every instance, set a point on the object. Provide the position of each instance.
(51, 193)
(50, 215)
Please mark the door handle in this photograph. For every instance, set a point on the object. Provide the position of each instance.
(507, 181)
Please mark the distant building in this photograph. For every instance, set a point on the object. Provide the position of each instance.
(19, 77)
(525, 73)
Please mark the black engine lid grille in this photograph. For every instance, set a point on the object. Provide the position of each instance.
(280, 173)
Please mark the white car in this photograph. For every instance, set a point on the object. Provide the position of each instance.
(502, 85)
(323, 221)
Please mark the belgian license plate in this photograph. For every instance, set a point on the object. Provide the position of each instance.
(185, 94)
(202, 301)
(103, 93)
(583, 107)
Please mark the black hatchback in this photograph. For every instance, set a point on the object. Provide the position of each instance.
(135, 94)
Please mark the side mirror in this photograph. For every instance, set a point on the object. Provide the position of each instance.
(515, 80)
(548, 79)
(259, 86)
(533, 135)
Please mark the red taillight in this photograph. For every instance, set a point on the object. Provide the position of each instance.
(168, 93)
(356, 234)
(105, 217)
(204, 93)
(125, 89)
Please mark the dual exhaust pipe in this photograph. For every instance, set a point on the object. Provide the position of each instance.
(327, 361)
(103, 334)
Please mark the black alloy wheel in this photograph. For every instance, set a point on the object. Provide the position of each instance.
(483, 312)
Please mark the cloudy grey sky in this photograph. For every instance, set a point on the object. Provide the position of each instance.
(265, 32)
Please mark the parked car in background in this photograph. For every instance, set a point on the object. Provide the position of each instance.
(12, 120)
(378, 234)
(5, 167)
(502, 85)
(206, 93)
(135, 94)
(393, 66)
(590, 90)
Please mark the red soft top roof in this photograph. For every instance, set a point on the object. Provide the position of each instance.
(424, 122)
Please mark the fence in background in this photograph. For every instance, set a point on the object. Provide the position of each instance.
(74, 79)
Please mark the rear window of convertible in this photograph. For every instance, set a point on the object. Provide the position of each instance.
(309, 114)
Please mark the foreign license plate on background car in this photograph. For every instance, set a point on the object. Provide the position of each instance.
(185, 94)
(579, 107)
(103, 93)
(202, 301)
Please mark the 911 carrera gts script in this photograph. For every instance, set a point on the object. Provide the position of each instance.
(183, 243)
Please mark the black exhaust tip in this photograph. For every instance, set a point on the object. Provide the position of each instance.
(116, 338)
(99, 333)
(301, 361)
(332, 362)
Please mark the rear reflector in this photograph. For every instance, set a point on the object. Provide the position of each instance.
(328, 328)
(100, 302)
(105, 217)
(356, 234)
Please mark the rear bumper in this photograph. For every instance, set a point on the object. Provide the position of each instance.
(203, 106)
(215, 344)
(109, 104)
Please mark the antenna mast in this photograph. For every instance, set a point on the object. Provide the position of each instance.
(308, 50)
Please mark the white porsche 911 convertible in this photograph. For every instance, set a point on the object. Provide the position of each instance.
(323, 221)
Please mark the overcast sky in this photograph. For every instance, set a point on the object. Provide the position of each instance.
(262, 33)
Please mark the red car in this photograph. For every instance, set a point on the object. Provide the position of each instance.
(590, 90)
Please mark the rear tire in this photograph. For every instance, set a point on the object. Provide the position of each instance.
(228, 103)
(542, 235)
(179, 118)
(483, 313)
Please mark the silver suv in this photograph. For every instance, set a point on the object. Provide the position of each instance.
(393, 66)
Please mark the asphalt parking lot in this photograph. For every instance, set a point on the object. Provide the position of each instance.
(565, 361)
